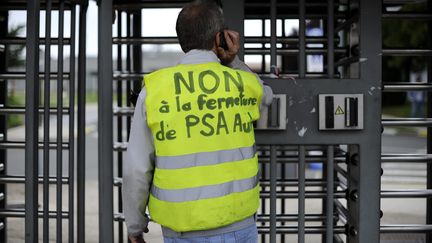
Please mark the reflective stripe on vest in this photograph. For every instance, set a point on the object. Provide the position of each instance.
(205, 158)
(204, 192)
(206, 170)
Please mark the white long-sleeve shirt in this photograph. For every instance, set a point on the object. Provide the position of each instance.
(139, 162)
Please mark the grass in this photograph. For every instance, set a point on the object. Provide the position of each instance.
(399, 111)
(403, 111)
(14, 120)
(91, 97)
(17, 99)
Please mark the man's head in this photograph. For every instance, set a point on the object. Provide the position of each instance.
(197, 25)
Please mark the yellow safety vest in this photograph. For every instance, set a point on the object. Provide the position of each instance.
(206, 168)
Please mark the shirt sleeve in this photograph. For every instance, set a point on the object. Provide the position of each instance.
(138, 170)
(267, 98)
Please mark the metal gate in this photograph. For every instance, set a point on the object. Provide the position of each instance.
(351, 45)
(346, 195)
(54, 84)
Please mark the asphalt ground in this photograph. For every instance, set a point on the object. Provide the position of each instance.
(396, 211)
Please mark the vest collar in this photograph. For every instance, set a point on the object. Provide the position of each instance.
(199, 56)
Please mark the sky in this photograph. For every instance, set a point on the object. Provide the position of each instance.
(155, 22)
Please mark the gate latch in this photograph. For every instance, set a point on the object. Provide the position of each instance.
(341, 111)
(274, 116)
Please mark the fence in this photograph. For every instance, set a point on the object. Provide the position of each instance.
(338, 50)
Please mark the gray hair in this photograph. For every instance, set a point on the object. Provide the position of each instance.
(197, 25)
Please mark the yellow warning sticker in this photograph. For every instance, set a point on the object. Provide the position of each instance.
(339, 111)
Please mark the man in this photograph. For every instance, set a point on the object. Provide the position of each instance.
(191, 156)
(417, 99)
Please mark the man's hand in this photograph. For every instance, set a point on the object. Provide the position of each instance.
(139, 238)
(233, 42)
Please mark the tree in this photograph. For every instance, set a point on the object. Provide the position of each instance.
(14, 55)
(403, 33)
(14, 60)
(406, 34)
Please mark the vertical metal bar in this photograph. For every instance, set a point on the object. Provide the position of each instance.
(105, 123)
(46, 137)
(128, 69)
(273, 36)
(330, 38)
(330, 193)
(3, 122)
(282, 200)
(133, 64)
(119, 122)
(263, 200)
(234, 19)
(71, 169)
(283, 35)
(59, 149)
(301, 194)
(273, 180)
(324, 202)
(263, 64)
(302, 39)
(282, 165)
(429, 129)
(136, 49)
(32, 122)
(81, 123)
(330, 149)
(368, 177)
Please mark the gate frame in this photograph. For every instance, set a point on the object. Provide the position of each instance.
(105, 121)
(365, 177)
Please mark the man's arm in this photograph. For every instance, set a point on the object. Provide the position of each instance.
(267, 91)
(229, 58)
(138, 171)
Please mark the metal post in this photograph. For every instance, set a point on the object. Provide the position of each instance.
(263, 63)
(136, 49)
(429, 130)
(3, 122)
(302, 39)
(301, 194)
(105, 122)
(273, 36)
(46, 121)
(129, 70)
(119, 122)
(71, 169)
(234, 19)
(330, 39)
(263, 200)
(282, 200)
(59, 149)
(81, 123)
(32, 122)
(273, 180)
(369, 166)
(330, 193)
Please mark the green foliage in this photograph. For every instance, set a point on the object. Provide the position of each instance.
(14, 60)
(397, 111)
(14, 52)
(406, 34)
(14, 120)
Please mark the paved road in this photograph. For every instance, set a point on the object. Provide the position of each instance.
(395, 211)
(403, 144)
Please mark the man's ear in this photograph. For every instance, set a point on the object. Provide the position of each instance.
(216, 43)
(217, 40)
